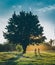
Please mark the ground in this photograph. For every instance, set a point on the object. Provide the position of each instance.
(15, 58)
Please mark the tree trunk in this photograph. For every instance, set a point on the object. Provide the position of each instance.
(24, 49)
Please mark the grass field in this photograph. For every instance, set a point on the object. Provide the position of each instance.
(15, 58)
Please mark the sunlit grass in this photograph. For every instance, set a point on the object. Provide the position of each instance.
(4, 56)
(46, 58)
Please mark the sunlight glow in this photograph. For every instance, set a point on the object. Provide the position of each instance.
(48, 29)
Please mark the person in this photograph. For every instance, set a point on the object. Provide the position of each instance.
(35, 52)
(38, 51)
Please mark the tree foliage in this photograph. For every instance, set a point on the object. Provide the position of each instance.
(24, 28)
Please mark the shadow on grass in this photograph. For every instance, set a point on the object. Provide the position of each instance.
(11, 61)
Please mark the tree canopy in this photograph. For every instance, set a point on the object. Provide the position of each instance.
(24, 29)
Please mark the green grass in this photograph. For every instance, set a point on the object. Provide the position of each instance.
(4, 56)
(15, 58)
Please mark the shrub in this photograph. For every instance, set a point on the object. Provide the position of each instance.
(19, 48)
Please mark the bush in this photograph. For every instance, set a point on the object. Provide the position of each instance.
(19, 48)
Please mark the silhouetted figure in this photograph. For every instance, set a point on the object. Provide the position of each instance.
(35, 52)
(38, 51)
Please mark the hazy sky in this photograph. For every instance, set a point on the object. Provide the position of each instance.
(45, 9)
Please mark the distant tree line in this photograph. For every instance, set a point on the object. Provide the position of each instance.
(10, 47)
(7, 47)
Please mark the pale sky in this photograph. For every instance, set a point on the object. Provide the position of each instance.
(44, 9)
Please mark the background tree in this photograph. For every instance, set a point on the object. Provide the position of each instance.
(7, 47)
(24, 29)
(51, 41)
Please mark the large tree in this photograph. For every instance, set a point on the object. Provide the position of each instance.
(24, 29)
